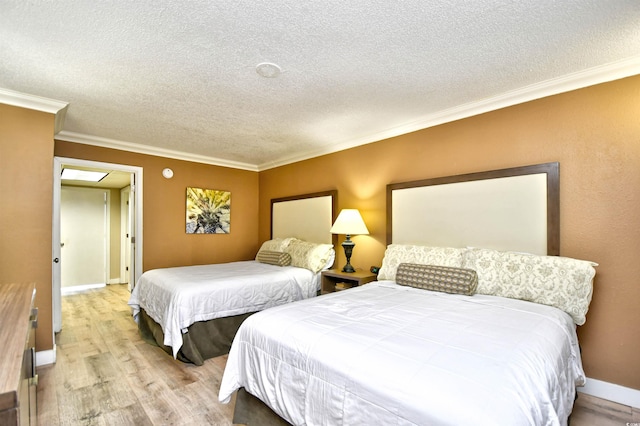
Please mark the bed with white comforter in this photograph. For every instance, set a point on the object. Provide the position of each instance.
(176, 298)
(396, 355)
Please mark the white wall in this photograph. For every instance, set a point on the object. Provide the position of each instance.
(84, 234)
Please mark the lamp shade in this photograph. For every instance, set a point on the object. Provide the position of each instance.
(349, 222)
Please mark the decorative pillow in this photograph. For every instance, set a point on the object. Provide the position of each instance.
(277, 258)
(308, 255)
(276, 244)
(395, 254)
(438, 278)
(557, 281)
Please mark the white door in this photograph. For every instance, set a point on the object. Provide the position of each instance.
(126, 258)
(134, 257)
(83, 236)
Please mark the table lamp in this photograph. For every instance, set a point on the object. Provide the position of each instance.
(349, 222)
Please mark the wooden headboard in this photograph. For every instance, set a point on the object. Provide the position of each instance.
(516, 209)
(308, 217)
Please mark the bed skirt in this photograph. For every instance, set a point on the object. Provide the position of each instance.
(203, 340)
(249, 411)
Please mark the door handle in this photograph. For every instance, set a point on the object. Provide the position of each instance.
(56, 260)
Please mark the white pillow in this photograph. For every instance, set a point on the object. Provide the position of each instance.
(395, 254)
(562, 282)
(330, 259)
(276, 244)
(311, 256)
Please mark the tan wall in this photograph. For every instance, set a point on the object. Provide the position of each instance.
(165, 242)
(595, 135)
(26, 181)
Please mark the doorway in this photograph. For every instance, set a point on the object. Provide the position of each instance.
(134, 219)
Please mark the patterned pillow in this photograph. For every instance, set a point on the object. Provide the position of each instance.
(308, 255)
(277, 244)
(277, 258)
(403, 253)
(556, 281)
(438, 278)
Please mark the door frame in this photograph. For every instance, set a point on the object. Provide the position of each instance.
(126, 207)
(136, 188)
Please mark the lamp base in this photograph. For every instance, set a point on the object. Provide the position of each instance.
(348, 246)
(348, 268)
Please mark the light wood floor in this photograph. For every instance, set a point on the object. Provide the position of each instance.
(106, 374)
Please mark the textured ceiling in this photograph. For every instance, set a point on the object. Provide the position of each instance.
(180, 78)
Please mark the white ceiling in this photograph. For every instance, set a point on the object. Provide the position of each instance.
(179, 78)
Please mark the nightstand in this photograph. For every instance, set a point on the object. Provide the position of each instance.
(335, 280)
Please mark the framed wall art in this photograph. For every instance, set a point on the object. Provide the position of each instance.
(208, 211)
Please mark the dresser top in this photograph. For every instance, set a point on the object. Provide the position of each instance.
(16, 301)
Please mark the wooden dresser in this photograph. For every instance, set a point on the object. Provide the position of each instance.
(18, 381)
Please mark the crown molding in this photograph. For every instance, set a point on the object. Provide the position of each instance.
(592, 76)
(36, 103)
(579, 80)
(149, 150)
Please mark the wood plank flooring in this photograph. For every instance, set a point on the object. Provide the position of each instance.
(106, 374)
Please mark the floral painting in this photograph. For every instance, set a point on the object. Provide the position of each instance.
(208, 211)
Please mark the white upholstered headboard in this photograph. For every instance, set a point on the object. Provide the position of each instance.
(516, 209)
(308, 217)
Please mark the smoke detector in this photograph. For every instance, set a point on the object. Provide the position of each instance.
(268, 70)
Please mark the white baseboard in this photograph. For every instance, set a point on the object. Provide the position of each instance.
(79, 288)
(46, 357)
(611, 392)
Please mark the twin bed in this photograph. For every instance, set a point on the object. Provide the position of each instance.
(467, 323)
(193, 312)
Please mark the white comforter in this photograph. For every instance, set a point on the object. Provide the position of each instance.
(178, 297)
(383, 354)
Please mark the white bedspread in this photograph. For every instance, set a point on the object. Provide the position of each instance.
(178, 297)
(383, 354)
